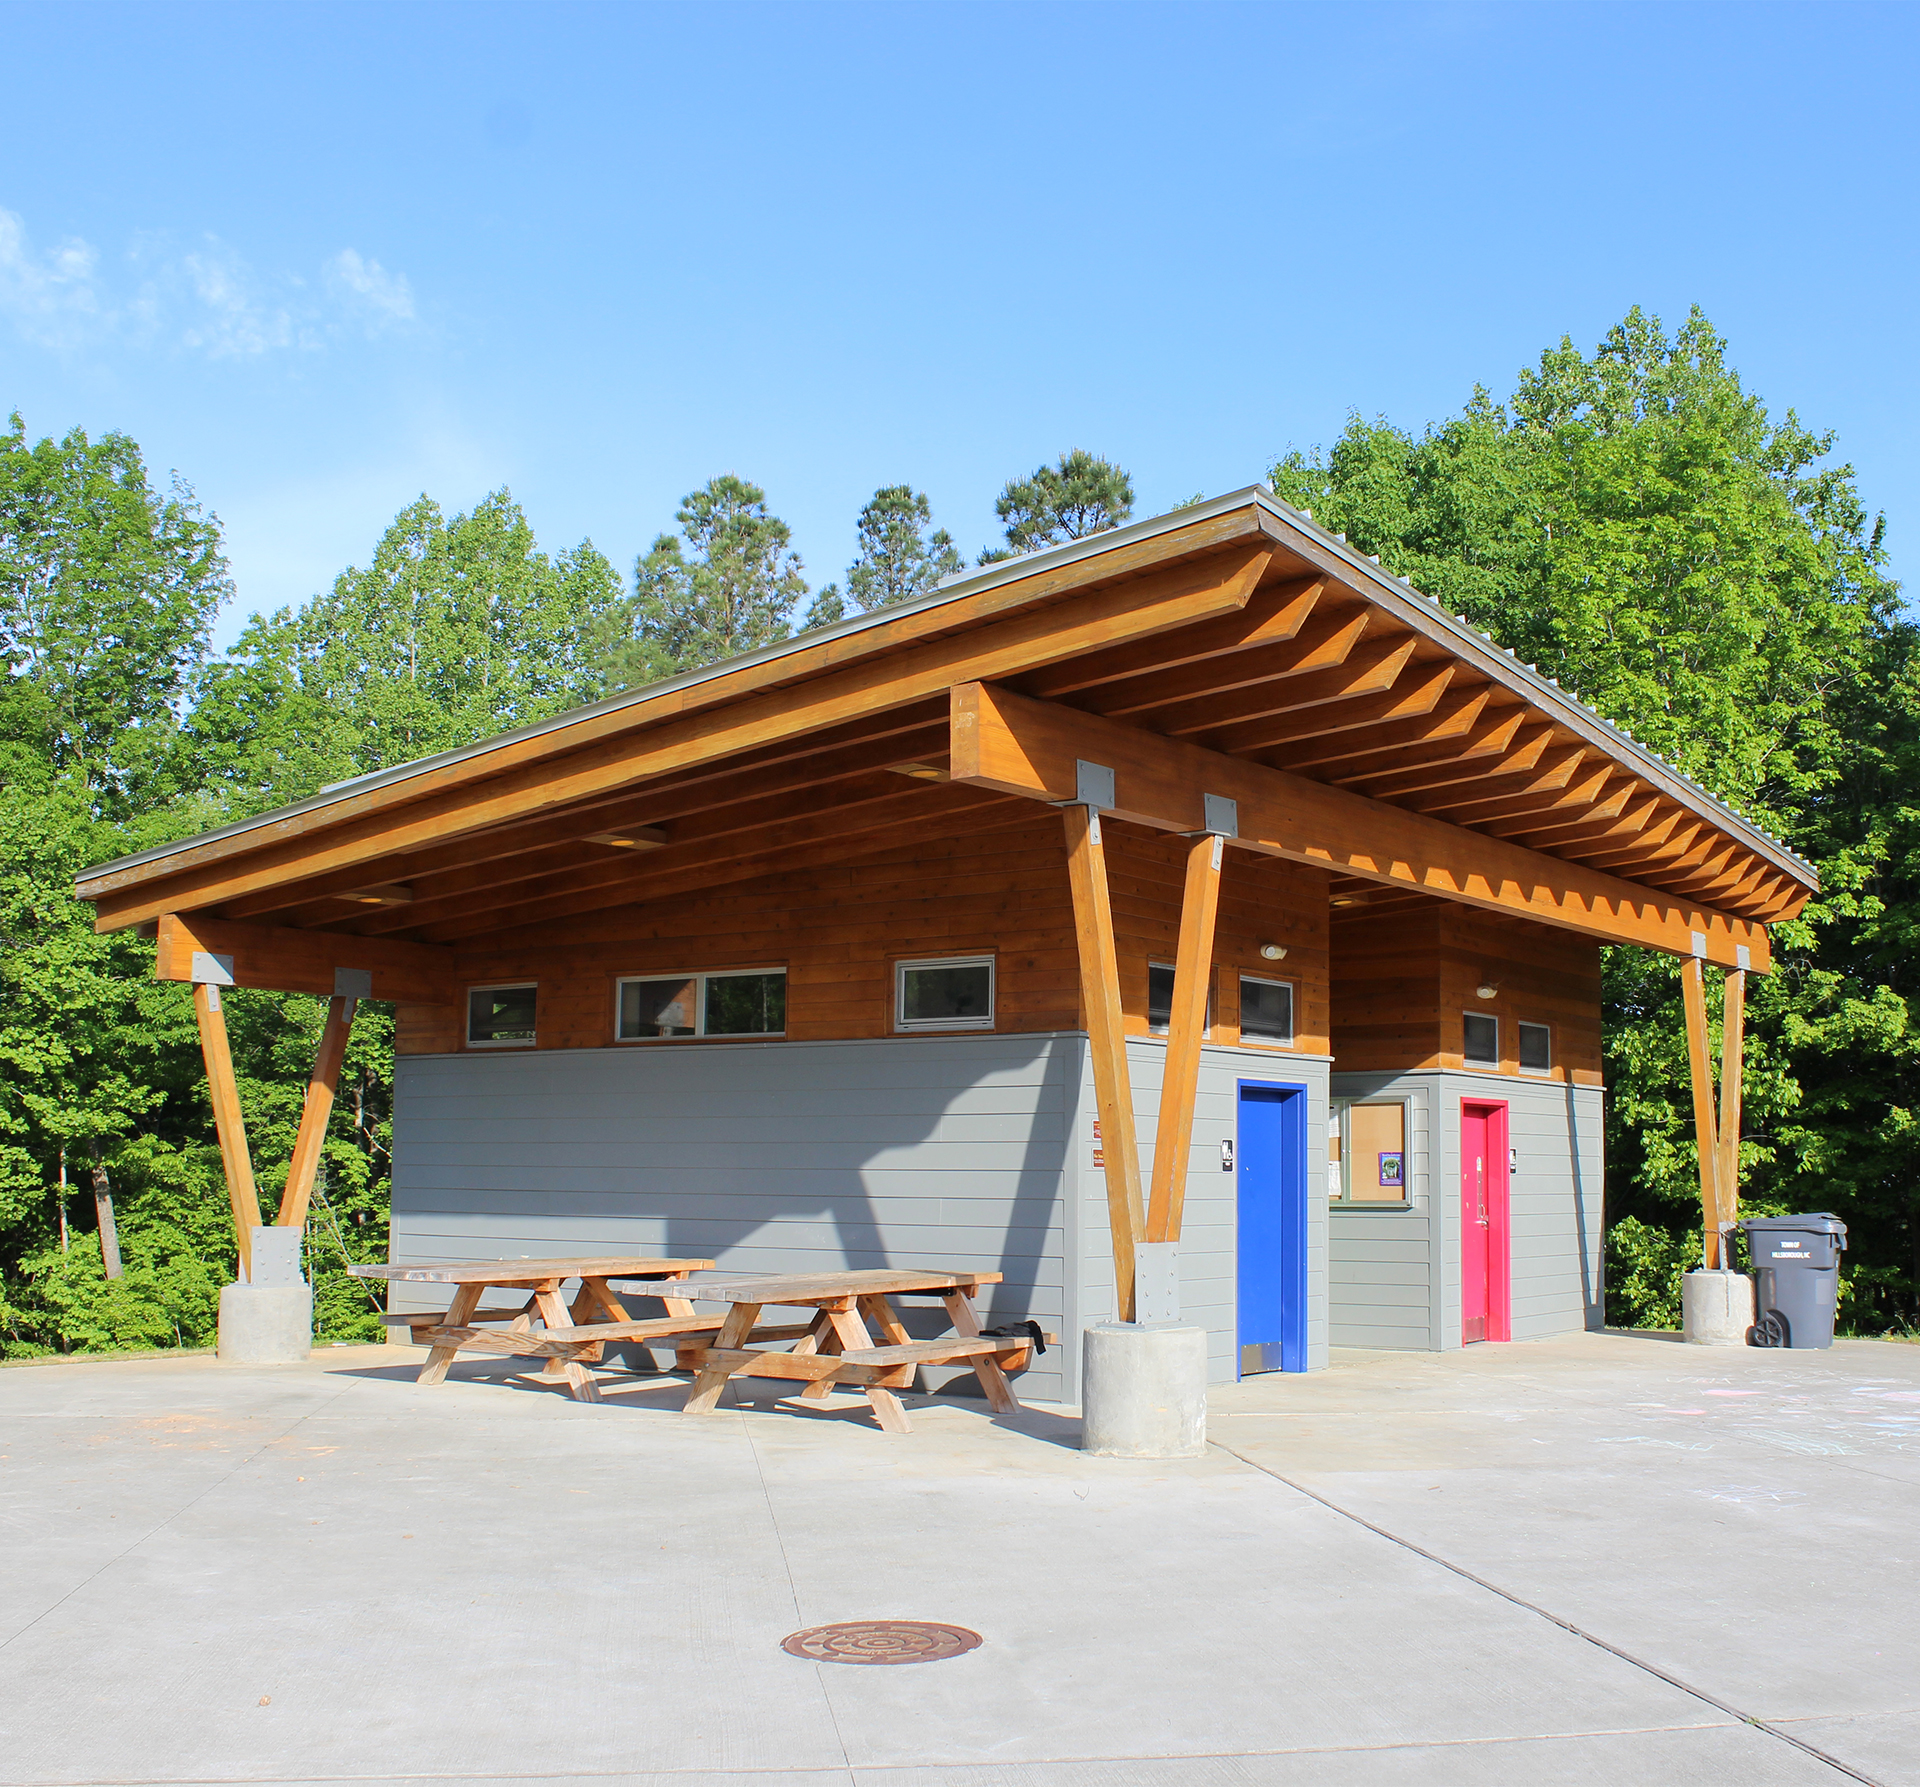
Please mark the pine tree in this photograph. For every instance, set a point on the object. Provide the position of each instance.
(899, 559)
(725, 584)
(1081, 495)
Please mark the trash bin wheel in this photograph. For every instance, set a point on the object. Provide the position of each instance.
(1771, 1329)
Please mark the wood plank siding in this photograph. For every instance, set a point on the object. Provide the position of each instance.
(1402, 984)
(838, 929)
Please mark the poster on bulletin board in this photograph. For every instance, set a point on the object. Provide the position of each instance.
(1393, 1169)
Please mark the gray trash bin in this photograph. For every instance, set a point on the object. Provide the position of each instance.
(1796, 1268)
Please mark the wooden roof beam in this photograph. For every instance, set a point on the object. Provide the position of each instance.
(1644, 854)
(1415, 696)
(1489, 758)
(1414, 689)
(471, 891)
(1595, 832)
(928, 810)
(1325, 644)
(280, 960)
(1032, 748)
(1371, 669)
(1272, 615)
(842, 750)
(1553, 771)
(1447, 732)
(1577, 798)
(363, 833)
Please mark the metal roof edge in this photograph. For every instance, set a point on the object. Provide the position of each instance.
(1495, 660)
(952, 589)
(1502, 663)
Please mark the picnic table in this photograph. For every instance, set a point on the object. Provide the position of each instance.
(840, 1345)
(572, 1337)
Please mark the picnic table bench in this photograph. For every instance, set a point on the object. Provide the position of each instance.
(570, 1338)
(839, 1346)
(854, 1338)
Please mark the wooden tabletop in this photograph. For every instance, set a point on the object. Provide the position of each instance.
(505, 1272)
(810, 1287)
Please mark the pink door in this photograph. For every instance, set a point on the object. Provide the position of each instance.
(1483, 1222)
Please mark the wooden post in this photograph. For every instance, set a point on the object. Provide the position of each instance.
(1733, 1036)
(321, 1084)
(1186, 1030)
(241, 1196)
(1706, 1140)
(1100, 999)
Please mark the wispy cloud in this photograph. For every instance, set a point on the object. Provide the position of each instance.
(207, 299)
(382, 296)
(51, 294)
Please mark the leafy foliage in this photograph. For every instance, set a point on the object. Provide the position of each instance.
(1636, 524)
(107, 594)
(456, 630)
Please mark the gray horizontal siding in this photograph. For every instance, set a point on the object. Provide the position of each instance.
(1384, 1289)
(788, 1157)
(1554, 1214)
(1209, 1289)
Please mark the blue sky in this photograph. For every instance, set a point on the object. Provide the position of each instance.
(321, 258)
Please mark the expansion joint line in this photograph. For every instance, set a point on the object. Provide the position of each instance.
(1580, 1632)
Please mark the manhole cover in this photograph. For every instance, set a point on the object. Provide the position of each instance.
(880, 1641)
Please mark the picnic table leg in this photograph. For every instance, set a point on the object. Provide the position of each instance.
(822, 1340)
(853, 1336)
(740, 1323)
(465, 1301)
(556, 1315)
(685, 1358)
(1000, 1396)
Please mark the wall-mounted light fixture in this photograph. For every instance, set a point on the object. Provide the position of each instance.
(1486, 990)
(1274, 952)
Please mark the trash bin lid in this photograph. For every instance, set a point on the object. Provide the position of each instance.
(1813, 1222)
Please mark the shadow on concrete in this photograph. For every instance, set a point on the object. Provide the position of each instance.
(665, 1392)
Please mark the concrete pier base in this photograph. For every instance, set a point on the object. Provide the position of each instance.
(1716, 1308)
(1144, 1390)
(266, 1324)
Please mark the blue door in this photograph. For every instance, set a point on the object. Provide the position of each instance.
(1273, 1227)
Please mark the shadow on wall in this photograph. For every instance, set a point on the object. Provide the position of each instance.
(935, 1152)
(1592, 1291)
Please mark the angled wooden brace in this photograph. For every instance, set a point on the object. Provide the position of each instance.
(1106, 1037)
(242, 1198)
(322, 1084)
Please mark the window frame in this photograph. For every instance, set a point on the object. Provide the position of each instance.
(1521, 1027)
(1336, 1115)
(903, 1025)
(1474, 1061)
(701, 976)
(1293, 1011)
(1166, 1029)
(502, 1042)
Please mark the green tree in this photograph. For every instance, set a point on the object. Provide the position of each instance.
(107, 595)
(726, 583)
(455, 631)
(1634, 522)
(899, 559)
(1081, 495)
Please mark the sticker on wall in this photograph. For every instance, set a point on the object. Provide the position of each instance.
(1099, 1158)
(1393, 1168)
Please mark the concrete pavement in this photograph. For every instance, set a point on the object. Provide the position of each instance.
(324, 1573)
